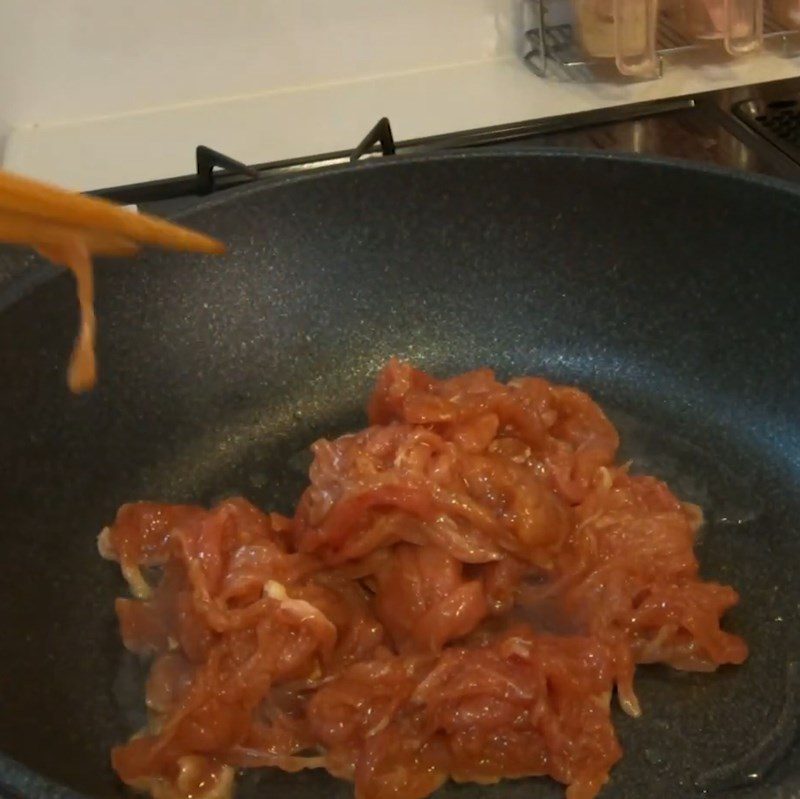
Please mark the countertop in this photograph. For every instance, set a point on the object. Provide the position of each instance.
(159, 143)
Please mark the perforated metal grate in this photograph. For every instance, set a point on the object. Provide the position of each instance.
(775, 120)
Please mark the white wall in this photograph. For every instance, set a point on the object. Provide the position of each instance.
(100, 93)
(64, 60)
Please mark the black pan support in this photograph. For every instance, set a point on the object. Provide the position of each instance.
(671, 293)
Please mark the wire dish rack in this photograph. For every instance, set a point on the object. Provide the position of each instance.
(553, 49)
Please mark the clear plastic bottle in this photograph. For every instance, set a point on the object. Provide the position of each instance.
(624, 30)
(787, 12)
(737, 23)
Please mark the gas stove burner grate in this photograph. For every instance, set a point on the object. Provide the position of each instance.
(216, 171)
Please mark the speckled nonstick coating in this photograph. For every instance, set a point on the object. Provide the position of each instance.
(669, 292)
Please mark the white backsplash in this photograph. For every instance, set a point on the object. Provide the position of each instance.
(66, 60)
(100, 93)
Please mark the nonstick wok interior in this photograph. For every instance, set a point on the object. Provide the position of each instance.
(670, 293)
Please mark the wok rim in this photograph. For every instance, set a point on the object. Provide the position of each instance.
(22, 286)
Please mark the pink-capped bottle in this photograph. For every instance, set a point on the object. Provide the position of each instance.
(786, 12)
(739, 24)
(624, 30)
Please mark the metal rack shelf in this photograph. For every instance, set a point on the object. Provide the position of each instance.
(553, 50)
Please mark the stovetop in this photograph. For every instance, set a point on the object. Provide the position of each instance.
(754, 129)
(707, 128)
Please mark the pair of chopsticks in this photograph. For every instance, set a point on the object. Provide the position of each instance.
(44, 216)
(69, 229)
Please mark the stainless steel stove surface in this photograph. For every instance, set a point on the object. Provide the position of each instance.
(751, 128)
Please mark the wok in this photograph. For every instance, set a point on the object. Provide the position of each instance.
(669, 292)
